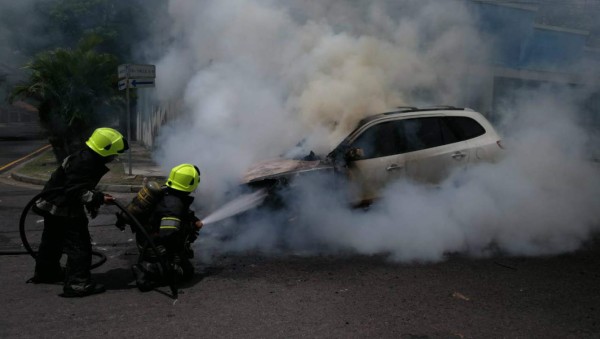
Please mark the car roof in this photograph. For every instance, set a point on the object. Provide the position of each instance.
(410, 111)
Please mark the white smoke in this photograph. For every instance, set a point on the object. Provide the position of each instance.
(542, 198)
(258, 76)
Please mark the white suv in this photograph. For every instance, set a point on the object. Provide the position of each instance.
(424, 145)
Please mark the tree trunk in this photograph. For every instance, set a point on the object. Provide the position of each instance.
(58, 148)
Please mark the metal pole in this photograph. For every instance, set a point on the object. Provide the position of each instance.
(128, 120)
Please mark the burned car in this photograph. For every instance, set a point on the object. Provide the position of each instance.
(420, 144)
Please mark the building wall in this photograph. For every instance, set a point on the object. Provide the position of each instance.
(554, 49)
(526, 54)
(507, 28)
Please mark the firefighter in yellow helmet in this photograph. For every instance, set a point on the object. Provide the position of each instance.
(173, 227)
(69, 193)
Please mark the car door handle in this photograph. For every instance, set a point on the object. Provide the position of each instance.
(393, 167)
(458, 155)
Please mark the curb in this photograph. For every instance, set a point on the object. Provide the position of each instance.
(103, 187)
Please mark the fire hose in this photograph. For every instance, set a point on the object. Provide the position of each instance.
(136, 224)
(234, 207)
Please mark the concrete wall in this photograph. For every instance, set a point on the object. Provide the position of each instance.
(12, 114)
(151, 115)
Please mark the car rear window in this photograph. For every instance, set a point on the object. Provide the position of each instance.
(464, 128)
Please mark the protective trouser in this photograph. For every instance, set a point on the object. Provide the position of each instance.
(148, 273)
(71, 235)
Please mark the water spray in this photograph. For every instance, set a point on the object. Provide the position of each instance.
(236, 206)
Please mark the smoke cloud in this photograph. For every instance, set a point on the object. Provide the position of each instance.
(541, 199)
(258, 76)
(20, 33)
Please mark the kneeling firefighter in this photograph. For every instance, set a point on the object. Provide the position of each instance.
(71, 188)
(166, 216)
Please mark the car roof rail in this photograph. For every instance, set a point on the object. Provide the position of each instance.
(441, 107)
(407, 108)
(411, 109)
(401, 109)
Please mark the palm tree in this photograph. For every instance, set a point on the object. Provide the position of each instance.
(75, 90)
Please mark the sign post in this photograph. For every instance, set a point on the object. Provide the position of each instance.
(134, 76)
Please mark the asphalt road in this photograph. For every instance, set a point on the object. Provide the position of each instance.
(320, 297)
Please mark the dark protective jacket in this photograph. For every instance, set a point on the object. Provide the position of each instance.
(78, 176)
(171, 225)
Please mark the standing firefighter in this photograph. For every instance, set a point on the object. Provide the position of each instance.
(172, 226)
(71, 188)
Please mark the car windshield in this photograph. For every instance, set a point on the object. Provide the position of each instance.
(300, 152)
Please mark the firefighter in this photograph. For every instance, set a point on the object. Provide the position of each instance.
(71, 191)
(173, 227)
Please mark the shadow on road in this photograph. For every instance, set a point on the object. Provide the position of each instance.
(116, 279)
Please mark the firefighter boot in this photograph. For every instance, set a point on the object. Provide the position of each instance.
(82, 290)
(145, 277)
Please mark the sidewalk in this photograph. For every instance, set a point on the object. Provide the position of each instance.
(38, 170)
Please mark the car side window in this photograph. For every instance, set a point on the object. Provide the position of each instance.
(447, 133)
(422, 133)
(380, 140)
(464, 128)
(410, 135)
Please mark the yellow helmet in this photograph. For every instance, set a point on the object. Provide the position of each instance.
(107, 141)
(184, 177)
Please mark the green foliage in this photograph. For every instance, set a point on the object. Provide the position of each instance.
(29, 27)
(78, 18)
(113, 20)
(71, 87)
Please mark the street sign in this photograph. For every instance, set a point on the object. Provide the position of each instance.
(135, 83)
(134, 76)
(136, 71)
(122, 84)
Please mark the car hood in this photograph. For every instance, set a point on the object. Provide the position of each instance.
(281, 167)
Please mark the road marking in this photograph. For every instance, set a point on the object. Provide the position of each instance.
(39, 150)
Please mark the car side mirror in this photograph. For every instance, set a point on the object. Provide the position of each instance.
(354, 154)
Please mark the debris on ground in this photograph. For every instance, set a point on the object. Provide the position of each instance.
(461, 296)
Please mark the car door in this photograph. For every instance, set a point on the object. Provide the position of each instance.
(433, 151)
(380, 160)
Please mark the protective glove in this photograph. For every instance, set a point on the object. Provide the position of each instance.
(162, 250)
(94, 204)
(121, 223)
(193, 235)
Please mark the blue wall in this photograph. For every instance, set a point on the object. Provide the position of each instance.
(519, 44)
(553, 50)
(507, 29)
